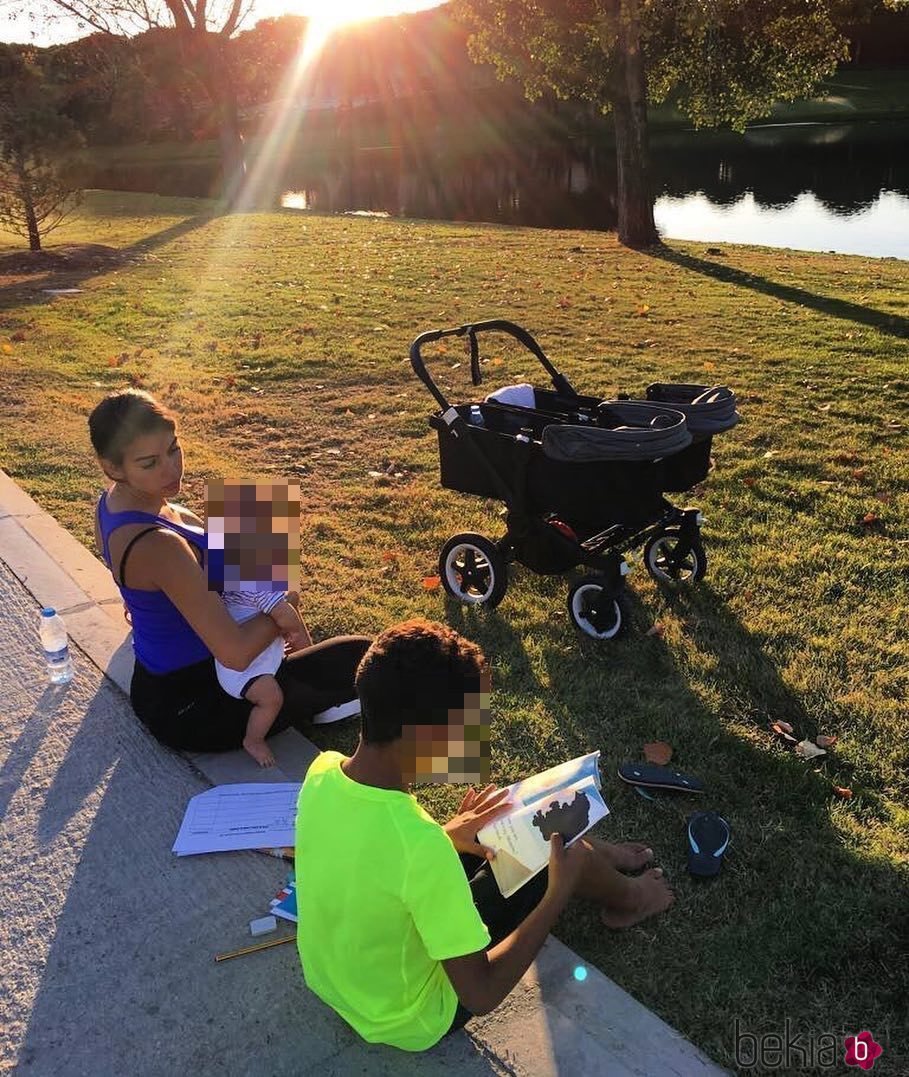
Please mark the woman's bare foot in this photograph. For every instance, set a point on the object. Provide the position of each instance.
(648, 894)
(627, 855)
(259, 750)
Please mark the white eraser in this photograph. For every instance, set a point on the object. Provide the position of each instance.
(263, 925)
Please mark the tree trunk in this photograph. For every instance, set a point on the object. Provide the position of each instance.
(28, 205)
(213, 67)
(629, 108)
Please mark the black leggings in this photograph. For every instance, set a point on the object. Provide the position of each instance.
(188, 709)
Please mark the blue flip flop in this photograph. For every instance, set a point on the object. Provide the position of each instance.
(708, 839)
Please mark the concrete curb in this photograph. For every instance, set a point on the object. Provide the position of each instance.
(551, 1024)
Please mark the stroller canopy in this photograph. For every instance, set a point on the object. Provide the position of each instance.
(626, 430)
(708, 409)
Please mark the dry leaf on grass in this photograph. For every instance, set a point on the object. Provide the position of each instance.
(658, 751)
(825, 742)
(842, 792)
(431, 582)
(784, 730)
(657, 629)
(808, 750)
(388, 556)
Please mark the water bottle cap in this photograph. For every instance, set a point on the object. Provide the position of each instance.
(48, 611)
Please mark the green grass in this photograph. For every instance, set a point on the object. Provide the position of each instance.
(281, 340)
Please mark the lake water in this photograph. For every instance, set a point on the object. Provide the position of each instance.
(841, 187)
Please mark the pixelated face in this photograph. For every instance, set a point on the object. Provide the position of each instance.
(254, 531)
(457, 751)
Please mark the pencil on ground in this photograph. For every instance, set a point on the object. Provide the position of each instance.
(257, 946)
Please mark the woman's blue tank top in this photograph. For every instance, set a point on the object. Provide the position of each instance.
(162, 637)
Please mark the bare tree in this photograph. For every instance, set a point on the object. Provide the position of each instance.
(37, 188)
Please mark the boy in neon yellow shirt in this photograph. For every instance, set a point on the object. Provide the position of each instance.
(402, 936)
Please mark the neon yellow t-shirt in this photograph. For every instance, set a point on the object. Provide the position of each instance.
(382, 899)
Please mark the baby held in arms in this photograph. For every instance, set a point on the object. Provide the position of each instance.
(253, 559)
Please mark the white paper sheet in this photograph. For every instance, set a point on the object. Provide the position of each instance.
(251, 815)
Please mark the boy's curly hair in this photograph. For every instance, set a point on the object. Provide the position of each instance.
(414, 674)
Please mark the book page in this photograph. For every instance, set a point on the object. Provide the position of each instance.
(521, 838)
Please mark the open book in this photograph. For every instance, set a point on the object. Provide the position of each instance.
(563, 800)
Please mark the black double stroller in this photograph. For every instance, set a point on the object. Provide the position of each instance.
(583, 481)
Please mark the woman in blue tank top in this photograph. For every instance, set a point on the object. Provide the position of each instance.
(156, 552)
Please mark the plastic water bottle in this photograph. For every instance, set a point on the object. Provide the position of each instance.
(475, 418)
(56, 648)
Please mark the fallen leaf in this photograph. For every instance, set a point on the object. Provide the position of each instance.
(748, 482)
(825, 742)
(808, 750)
(643, 310)
(870, 518)
(771, 452)
(710, 366)
(842, 792)
(859, 474)
(18, 337)
(824, 407)
(658, 751)
(431, 583)
(388, 556)
(7, 348)
(784, 730)
(657, 629)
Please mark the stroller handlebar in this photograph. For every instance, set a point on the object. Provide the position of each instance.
(494, 325)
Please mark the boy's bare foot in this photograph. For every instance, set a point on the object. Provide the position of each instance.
(648, 894)
(627, 855)
(260, 751)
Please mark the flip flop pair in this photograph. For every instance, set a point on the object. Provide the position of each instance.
(708, 833)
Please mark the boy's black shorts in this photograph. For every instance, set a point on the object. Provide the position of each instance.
(501, 915)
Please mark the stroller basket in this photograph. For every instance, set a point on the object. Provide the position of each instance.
(583, 474)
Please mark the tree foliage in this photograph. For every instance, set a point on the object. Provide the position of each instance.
(37, 143)
(721, 62)
(202, 30)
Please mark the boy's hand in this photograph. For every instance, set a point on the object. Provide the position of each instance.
(566, 866)
(477, 809)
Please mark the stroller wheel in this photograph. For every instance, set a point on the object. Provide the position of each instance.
(667, 566)
(473, 570)
(595, 609)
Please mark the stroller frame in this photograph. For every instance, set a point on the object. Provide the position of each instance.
(473, 568)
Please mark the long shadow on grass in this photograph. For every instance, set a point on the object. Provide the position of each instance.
(31, 291)
(806, 921)
(892, 324)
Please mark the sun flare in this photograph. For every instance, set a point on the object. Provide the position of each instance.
(326, 17)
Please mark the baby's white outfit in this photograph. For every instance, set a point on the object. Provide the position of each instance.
(242, 605)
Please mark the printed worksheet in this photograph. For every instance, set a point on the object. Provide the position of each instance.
(250, 815)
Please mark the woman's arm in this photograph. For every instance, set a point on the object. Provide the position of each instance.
(177, 573)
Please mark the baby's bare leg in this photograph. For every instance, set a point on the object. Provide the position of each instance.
(267, 698)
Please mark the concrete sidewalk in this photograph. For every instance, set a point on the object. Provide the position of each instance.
(107, 939)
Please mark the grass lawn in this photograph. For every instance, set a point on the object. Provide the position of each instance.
(281, 339)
